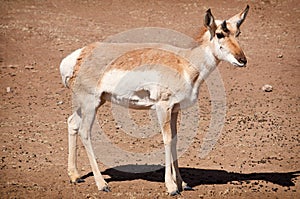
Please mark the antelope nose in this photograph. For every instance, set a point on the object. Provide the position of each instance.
(243, 60)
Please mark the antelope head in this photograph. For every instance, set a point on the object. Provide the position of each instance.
(223, 37)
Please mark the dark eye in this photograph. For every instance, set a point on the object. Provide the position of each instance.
(220, 35)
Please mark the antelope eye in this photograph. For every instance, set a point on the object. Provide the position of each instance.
(220, 35)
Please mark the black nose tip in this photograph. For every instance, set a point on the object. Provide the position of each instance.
(243, 60)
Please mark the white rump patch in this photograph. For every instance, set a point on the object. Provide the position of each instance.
(67, 66)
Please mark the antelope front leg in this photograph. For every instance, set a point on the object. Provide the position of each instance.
(176, 174)
(164, 118)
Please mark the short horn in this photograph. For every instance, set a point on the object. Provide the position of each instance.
(224, 26)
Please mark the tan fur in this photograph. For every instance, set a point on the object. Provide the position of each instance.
(235, 49)
(231, 28)
(86, 52)
(199, 37)
(151, 56)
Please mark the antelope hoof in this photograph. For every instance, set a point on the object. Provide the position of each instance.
(78, 180)
(106, 189)
(175, 193)
(188, 188)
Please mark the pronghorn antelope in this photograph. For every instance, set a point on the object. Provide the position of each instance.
(162, 77)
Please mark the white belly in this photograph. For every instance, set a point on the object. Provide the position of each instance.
(143, 88)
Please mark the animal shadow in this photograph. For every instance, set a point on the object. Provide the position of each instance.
(195, 177)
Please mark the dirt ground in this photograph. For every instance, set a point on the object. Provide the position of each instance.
(257, 154)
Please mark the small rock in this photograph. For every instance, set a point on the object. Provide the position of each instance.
(274, 189)
(60, 103)
(12, 66)
(8, 89)
(29, 67)
(280, 56)
(267, 88)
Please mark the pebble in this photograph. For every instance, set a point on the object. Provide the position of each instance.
(280, 56)
(29, 67)
(8, 89)
(12, 66)
(60, 103)
(267, 88)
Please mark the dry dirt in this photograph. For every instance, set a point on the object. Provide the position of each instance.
(257, 154)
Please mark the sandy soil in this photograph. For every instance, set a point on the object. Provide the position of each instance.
(257, 154)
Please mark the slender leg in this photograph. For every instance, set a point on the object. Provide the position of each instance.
(164, 118)
(176, 174)
(73, 125)
(88, 116)
(173, 148)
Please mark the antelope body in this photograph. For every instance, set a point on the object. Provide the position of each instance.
(145, 76)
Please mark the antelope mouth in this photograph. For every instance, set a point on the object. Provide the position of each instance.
(238, 64)
(241, 62)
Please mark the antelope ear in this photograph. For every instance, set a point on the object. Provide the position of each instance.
(209, 23)
(239, 18)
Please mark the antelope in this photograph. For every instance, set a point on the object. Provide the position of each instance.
(162, 77)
